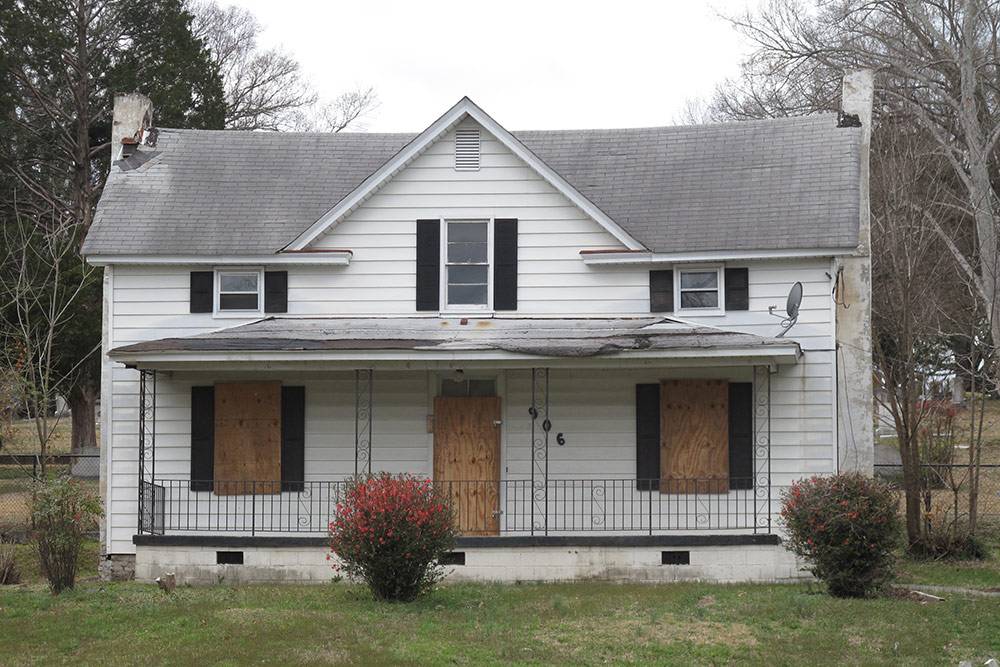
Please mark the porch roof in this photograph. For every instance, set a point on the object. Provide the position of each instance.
(414, 341)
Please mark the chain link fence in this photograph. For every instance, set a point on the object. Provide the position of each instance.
(18, 473)
(949, 486)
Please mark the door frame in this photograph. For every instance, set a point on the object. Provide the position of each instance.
(433, 390)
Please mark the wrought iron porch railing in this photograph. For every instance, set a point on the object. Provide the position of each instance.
(557, 506)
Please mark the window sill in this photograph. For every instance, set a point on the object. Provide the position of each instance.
(698, 312)
(472, 314)
(236, 314)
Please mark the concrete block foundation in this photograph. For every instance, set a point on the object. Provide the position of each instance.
(200, 565)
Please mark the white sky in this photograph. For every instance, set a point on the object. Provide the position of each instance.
(539, 64)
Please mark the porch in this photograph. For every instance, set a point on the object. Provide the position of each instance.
(568, 461)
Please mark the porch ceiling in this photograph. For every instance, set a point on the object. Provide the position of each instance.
(434, 342)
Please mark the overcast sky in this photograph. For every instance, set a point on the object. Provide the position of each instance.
(540, 64)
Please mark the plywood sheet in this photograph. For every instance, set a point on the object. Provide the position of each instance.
(694, 436)
(247, 438)
(467, 459)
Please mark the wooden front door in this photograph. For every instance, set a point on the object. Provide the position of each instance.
(694, 436)
(467, 459)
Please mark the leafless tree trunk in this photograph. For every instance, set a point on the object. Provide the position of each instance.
(82, 399)
(37, 303)
(911, 270)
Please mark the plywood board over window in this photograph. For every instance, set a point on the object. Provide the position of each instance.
(247, 438)
(694, 428)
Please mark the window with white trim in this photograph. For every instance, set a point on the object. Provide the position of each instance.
(238, 291)
(467, 251)
(699, 289)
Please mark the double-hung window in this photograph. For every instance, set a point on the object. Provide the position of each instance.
(467, 268)
(239, 291)
(700, 289)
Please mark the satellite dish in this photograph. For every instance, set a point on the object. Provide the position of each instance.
(794, 301)
(791, 309)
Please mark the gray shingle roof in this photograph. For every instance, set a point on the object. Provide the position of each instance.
(759, 185)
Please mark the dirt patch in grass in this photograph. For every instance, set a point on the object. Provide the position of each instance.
(324, 655)
(644, 632)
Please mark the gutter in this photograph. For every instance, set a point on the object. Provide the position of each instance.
(337, 257)
(643, 257)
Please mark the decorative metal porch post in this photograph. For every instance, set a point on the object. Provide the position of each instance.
(363, 421)
(540, 449)
(147, 450)
(762, 448)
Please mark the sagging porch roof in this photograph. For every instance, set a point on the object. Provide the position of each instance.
(429, 342)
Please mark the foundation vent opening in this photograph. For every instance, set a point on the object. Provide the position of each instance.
(453, 558)
(675, 558)
(229, 558)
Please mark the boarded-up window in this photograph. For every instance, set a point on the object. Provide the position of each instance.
(694, 427)
(247, 438)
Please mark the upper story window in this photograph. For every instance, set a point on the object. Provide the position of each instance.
(239, 291)
(467, 264)
(700, 289)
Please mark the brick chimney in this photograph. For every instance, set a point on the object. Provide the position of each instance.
(132, 115)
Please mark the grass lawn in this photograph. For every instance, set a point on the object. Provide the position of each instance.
(581, 623)
(967, 574)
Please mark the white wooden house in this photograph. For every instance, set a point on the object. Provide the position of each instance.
(571, 331)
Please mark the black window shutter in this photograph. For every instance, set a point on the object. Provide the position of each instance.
(202, 438)
(276, 291)
(428, 264)
(647, 436)
(740, 435)
(505, 264)
(293, 438)
(737, 289)
(661, 291)
(202, 284)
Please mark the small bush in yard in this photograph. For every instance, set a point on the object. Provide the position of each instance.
(9, 574)
(63, 512)
(846, 527)
(947, 539)
(390, 532)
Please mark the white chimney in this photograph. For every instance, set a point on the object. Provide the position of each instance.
(133, 113)
(855, 400)
(858, 94)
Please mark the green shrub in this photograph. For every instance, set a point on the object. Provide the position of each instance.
(9, 572)
(846, 527)
(63, 512)
(391, 532)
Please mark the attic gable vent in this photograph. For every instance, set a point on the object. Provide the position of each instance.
(467, 149)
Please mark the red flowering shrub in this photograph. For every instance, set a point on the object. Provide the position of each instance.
(390, 532)
(846, 527)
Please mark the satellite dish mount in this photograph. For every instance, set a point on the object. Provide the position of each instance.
(791, 315)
